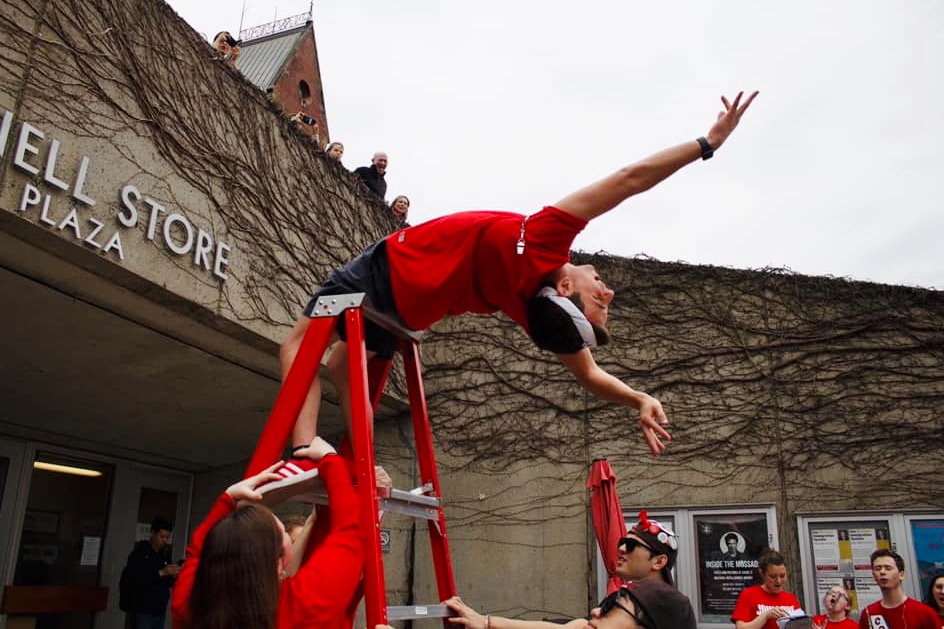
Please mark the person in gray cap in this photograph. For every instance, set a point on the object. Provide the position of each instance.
(647, 556)
(649, 604)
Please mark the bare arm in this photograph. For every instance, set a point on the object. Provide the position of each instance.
(604, 195)
(607, 387)
(468, 617)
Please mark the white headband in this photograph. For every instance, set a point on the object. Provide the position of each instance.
(580, 321)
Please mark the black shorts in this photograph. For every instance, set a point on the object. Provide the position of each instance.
(368, 273)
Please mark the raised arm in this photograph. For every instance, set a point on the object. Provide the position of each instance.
(224, 505)
(607, 387)
(604, 195)
(471, 619)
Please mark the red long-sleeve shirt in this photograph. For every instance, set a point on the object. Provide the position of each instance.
(320, 593)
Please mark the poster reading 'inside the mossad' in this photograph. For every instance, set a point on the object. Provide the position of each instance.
(729, 547)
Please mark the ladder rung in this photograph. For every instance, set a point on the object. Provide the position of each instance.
(411, 503)
(416, 612)
(409, 509)
(400, 495)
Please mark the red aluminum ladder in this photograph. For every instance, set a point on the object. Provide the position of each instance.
(367, 380)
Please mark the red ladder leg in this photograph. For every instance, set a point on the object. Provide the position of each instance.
(363, 428)
(445, 579)
(292, 395)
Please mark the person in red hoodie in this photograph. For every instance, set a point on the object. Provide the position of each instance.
(241, 569)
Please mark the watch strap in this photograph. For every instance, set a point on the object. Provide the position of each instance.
(706, 151)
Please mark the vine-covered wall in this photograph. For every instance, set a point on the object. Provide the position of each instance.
(811, 394)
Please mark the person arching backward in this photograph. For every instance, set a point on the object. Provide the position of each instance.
(483, 262)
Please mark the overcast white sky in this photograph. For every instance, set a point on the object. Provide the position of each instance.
(837, 169)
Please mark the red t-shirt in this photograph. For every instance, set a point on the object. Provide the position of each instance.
(911, 614)
(468, 262)
(755, 600)
(320, 593)
(845, 623)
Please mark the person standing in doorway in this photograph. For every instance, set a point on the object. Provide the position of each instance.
(146, 580)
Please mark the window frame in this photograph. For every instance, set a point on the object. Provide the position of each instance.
(899, 532)
(686, 569)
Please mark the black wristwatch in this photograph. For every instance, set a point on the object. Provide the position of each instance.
(706, 151)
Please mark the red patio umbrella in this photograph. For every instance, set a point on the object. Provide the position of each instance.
(608, 523)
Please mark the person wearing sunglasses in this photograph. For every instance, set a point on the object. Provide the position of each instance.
(650, 604)
(648, 551)
(760, 606)
(837, 603)
(647, 555)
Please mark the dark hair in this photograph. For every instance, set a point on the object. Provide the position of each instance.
(236, 583)
(884, 552)
(292, 520)
(552, 329)
(770, 558)
(731, 536)
(161, 524)
(929, 597)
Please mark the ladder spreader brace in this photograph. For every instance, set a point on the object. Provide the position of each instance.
(367, 380)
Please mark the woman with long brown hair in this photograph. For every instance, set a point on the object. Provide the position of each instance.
(935, 595)
(243, 571)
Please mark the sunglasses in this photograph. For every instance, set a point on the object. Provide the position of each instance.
(611, 602)
(631, 544)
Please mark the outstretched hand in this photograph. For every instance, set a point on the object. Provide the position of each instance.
(246, 488)
(652, 419)
(467, 616)
(728, 119)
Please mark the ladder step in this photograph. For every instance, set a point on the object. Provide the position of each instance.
(401, 495)
(410, 503)
(410, 510)
(417, 612)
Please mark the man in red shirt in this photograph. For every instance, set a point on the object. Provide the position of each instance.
(759, 606)
(896, 610)
(483, 262)
(836, 603)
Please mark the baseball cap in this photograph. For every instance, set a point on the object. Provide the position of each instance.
(556, 324)
(660, 539)
(659, 605)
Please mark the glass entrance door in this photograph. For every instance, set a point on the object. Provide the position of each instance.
(68, 522)
(140, 495)
(11, 465)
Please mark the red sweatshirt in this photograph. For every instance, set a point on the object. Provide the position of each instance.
(319, 594)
